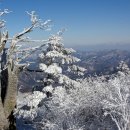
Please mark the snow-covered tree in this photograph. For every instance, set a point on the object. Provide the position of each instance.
(10, 62)
(54, 59)
(117, 102)
(95, 103)
(3, 39)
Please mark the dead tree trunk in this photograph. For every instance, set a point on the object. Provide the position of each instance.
(8, 102)
(8, 88)
(3, 121)
(11, 92)
(8, 95)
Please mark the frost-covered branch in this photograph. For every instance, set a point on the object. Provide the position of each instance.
(3, 35)
(2, 22)
(3, 40)
(36, 23)
(5, 11)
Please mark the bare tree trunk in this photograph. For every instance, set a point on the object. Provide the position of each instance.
(8, 100)
(8, 89)
(3, 120)
(11, 92)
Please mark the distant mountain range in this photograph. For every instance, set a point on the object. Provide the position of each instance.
(102, 62)
(96, 62)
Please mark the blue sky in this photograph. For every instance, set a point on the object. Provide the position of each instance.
(87, 21)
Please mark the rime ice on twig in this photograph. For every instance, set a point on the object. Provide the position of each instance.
(36, 22)
(2, 22)
(5, 11)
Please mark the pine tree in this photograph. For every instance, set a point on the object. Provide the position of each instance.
(56, 62)
(54, 59)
